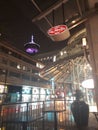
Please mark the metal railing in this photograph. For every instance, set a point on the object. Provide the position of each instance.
(40, 115)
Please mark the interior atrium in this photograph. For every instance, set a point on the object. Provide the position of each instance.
(48, 53)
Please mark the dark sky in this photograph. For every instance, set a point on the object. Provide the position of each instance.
(17, 27)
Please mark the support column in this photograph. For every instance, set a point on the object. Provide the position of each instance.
(92, 38)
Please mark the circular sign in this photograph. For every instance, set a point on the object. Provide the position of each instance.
(59, 32)
(57, 29)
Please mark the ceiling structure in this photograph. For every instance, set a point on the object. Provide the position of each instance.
(71, 68)
(20, 19)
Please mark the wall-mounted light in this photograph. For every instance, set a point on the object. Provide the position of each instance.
(31, 47)
(89, 83)
(84, 42)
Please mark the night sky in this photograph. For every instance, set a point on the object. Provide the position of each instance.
(16, 26)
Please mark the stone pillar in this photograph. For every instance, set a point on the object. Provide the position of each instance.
(92, 39)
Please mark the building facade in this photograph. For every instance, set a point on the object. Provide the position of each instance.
(19, 74)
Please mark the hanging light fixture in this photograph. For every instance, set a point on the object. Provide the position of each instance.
(59, 32)
(31, 47)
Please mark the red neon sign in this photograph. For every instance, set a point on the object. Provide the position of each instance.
(57, 29)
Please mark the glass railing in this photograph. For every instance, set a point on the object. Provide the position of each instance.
(40, 115)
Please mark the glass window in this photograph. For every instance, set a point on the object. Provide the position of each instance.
(14, 74)
(25, 76)
(2, 71)
(4, 61)
(28, 69)
(13, 64)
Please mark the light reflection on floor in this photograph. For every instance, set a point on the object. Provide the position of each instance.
(93, 109)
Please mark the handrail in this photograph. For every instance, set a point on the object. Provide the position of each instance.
(28, 114)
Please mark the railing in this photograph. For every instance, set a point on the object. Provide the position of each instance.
(96, 115)
(40, 115)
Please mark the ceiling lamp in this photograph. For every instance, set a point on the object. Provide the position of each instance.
(89, 83)
(59, 33)
(31, 47)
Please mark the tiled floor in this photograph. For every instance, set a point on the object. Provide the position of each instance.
(92, 125)
(92, 121)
